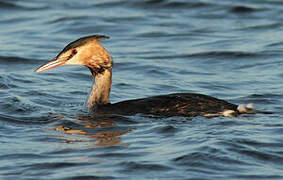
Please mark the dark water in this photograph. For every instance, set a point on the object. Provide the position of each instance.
(229, 49)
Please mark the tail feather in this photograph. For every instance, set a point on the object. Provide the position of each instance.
(246, 108)
(241, 109)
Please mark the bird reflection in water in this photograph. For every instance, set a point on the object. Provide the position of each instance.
(102, 131)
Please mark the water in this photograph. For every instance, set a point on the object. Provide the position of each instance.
(227, 49)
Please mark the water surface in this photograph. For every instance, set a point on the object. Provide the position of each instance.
(230, 50)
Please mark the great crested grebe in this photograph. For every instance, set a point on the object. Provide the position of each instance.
(87, 51)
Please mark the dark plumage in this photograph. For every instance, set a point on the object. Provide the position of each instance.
(179, 104)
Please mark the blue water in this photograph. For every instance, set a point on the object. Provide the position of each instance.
(232, 50)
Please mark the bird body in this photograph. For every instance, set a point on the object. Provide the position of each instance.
(178, 104)
(88, 51)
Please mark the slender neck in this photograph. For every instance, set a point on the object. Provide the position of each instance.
(100, 92)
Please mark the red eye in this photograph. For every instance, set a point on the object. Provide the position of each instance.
(74, 51)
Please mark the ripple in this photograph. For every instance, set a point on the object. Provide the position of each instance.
(213, 54)
(263, 27)
(263, 98)
(22, 156)
(208, 162)
(26, 120)
(66, 19)
(131, 167)
(242, 9)
(8, 5)
(89, 177)
(22, 5)
(168, 4)
(16, 60)
(52, 165)
(232, 50)
(168, 130)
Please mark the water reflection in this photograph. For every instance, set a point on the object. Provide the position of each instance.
(99, 130)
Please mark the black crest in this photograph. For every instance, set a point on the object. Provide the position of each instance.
(82, 41)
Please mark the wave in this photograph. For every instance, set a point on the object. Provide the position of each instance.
(211, 54)
(17, 5)
(16, 60)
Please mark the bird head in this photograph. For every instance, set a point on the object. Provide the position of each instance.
(86, 51)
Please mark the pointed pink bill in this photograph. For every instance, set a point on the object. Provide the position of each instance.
(51, 64)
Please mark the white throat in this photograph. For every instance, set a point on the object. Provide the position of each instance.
(100, 92)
